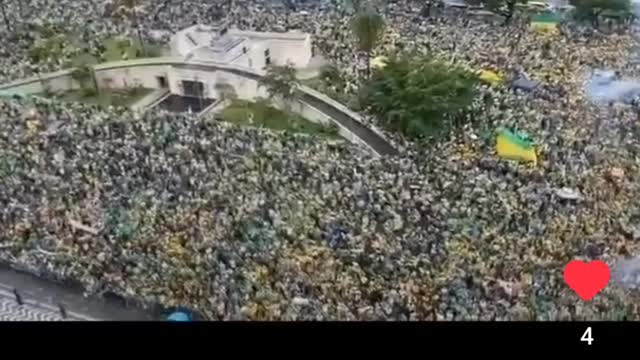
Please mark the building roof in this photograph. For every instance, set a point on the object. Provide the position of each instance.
(220, 39)
(292, 35)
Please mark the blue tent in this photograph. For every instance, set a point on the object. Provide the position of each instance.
(179, 316)
(524, 85)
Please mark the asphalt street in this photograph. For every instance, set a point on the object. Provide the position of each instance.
(41, 301)
(32, 309)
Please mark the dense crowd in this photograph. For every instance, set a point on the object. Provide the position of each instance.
(243, 223)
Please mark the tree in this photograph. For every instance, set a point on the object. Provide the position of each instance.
(281, 81)
(505, 8)
(4, 14)
(226, 91)
(420, 97)
(84, 73)
(592, 9)
(129, 9)
(368, 27)
(330, 74)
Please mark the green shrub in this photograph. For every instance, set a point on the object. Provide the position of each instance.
(419, 96)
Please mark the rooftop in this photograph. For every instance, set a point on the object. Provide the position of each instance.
(219, 36)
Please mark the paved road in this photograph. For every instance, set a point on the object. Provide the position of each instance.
(380, 145)
(31, 309)
(41, 300)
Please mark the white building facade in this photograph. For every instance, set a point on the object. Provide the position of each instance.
(245, 49)
(250, 49)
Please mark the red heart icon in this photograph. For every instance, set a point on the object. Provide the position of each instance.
(587, 279)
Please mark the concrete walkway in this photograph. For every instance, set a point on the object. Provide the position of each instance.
(380, 145)
(215, 107)
(151, 99)
(41, 299)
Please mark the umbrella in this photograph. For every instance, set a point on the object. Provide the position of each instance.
(179, 316)
(524, 84)
(568, 194)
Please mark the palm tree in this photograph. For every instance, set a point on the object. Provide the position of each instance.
(281, 81)
(368, 27)
(129, 9)
(4, 14)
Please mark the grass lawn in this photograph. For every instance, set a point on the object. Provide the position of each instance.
(239, 113)
(113, 97)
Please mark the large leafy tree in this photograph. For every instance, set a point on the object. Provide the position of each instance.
(331, 75)
(281, 81)
(84, 73)
(592, 9)
(420, 97)
(368, 27)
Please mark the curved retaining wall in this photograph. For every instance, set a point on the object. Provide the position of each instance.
(312, 105)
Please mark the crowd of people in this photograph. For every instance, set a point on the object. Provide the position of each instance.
(242, 223)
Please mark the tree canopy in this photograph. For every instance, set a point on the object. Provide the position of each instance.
(368, 27)
(280, 81)
(419, 96)
(591, 9)
(84, 74)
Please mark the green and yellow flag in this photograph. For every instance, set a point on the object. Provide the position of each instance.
(490, 77)
(515, 147)
(379, 62)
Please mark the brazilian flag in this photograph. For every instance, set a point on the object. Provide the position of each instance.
(490, 77)
(379, 62)
(545, 23)
(515, 146)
